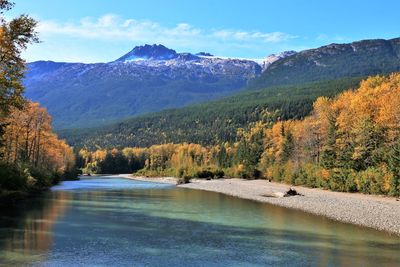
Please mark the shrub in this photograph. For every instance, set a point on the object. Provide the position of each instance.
(342, 180)
(219, 174)
(275, 172)
(12, 177)
(247, 172)
(394, 186)
(288, 173)
(204, 174)
(371, 181)
(44, 179)
(308, 174)
(183, 180)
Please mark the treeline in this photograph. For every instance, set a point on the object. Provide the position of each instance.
(31, 155)
(349, 143)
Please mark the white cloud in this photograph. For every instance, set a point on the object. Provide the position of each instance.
(111, 28)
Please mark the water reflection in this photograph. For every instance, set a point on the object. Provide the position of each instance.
(26, 229)
(160, 225)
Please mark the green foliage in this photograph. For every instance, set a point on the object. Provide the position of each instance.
(309, 175)
(114, 163)
(205, 174)
(342, 180)
(394, 165)
(43, 179)
(219, 173)
(367, 144)
(371, 181)
(12, 178)
(288, 146)
(328, 155)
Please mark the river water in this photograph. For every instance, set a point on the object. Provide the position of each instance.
(110, 221)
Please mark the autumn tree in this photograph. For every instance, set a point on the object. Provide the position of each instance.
(15, 35)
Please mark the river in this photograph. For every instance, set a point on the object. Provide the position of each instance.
(108, 221)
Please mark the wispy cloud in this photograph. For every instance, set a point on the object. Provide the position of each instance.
(114, 27)
(111, 28)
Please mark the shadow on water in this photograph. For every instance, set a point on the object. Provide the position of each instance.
(181, 227)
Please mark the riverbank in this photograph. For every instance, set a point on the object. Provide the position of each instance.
(378, 212)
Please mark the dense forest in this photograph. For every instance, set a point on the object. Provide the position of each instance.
(350, 142)
(209, 123)
(31, 155)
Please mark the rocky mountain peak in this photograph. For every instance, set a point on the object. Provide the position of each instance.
(154, 52)
(275, 57)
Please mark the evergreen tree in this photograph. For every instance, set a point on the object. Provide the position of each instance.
(394, 164)
(222, 157)
(328, 155)
(288, 147)
(368, 140)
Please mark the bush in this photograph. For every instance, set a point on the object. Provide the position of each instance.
(71, 174)
(12, 178)
(342, 180)
(204, 174)
(307, 175)
(44, 179)
(372, 181)
(275, 172)
(288, 173)
(219, 174)
(394, 189)
(183, 180)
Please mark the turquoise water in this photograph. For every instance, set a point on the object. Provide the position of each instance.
(120, 222)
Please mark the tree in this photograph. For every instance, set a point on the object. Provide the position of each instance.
(222, 157)
(394, 164)
(15, 35)
(288, 147)
(328, 155)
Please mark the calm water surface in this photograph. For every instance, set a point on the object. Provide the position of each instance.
(118, 222)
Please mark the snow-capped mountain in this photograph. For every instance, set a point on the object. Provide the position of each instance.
(147, 79)
(266, 62)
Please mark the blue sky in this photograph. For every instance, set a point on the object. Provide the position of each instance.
(103, 30)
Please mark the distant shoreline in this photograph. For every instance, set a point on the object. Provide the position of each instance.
(378, 212)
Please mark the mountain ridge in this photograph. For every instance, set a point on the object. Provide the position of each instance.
(333, 61)
(79, 94)
(289, 86)
(102, 93)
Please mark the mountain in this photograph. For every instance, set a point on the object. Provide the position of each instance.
(285, 87)
(334, 61)
(146, 52)
(266, 62)
(149, 78)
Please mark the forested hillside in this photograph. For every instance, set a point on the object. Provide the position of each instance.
(334, 61)
(209, 123)
(349, 143)
(287, 88)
